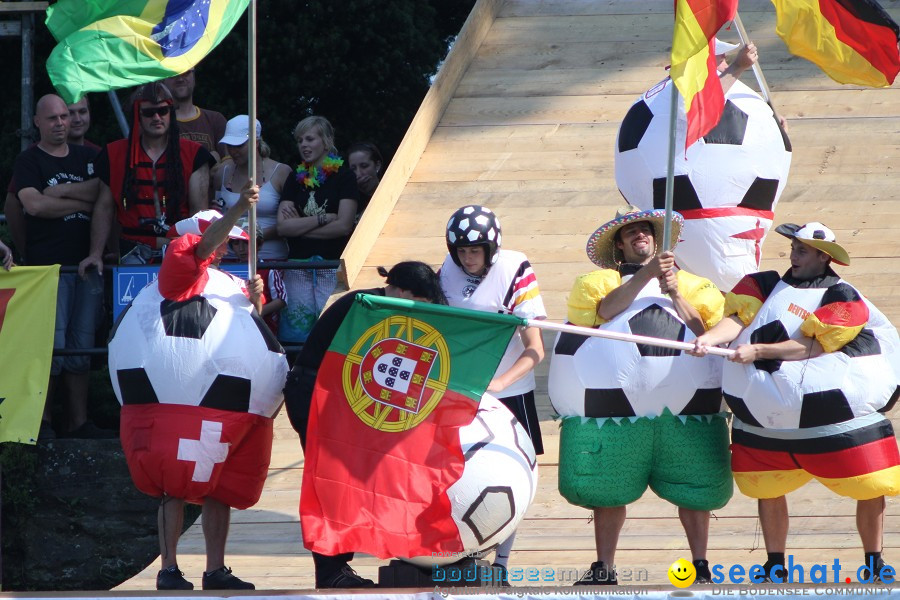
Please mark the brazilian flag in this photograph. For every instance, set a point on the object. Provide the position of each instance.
(111, 44)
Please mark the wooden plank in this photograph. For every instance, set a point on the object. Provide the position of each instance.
(606, 108)
(413, 144)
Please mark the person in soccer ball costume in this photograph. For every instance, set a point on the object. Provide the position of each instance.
(478, 274)
(607, 463)
(815, 368)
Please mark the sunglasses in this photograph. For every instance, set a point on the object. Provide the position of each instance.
(162, 111)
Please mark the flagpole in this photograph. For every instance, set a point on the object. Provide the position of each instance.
(670, 168)
(624, 337)
(251, 140)
(757, 69)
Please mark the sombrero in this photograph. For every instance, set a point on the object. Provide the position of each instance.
(601, 246)
(201, 221)
(819, 237)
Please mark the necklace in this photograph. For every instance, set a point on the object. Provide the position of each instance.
(313, 176)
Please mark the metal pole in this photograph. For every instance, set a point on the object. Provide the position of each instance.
(251, 113)
(27, 122)
(670, 169)
(117, 109)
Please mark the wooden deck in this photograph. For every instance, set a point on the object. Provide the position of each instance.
(529, 132)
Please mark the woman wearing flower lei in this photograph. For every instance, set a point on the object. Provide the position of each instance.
(315, 216)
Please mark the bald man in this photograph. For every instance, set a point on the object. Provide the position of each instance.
(56, 187)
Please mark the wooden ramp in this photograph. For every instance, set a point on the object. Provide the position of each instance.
(523, 119)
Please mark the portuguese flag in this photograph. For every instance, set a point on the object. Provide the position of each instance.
(853, 41)
(397, 383)
(694, 62)
(111, 44)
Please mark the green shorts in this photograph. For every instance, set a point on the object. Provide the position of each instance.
(604, 464)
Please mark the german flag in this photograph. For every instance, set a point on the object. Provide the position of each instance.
(694, 62)
(853, 41)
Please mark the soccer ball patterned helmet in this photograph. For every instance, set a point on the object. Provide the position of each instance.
(474, 226)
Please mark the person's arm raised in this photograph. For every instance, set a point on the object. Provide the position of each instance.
(217, 233)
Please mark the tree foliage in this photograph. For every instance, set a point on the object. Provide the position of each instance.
(363, 64)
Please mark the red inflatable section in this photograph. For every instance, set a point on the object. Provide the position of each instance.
(193, 452)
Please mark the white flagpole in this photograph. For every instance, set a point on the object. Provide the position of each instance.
(757, 70)
(251, 113)
(670, 169)
(625, 337)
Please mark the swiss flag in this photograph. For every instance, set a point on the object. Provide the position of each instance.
(194, 452)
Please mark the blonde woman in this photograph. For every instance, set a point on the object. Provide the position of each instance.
(316, 216)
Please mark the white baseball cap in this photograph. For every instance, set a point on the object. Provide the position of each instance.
(237, 131)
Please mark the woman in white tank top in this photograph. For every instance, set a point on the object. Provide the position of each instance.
(231, 176)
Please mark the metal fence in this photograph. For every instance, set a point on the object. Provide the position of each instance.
(109, 270)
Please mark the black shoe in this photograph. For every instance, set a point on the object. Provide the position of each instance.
(346, 577)
(89, 431)
(172, 579)
(767, 569)
(702, 568)
(876, 577)
(599, 574)
(500, 575)
(222, 579)
(46, 432)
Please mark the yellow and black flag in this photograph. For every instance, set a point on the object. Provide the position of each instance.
(853, 41)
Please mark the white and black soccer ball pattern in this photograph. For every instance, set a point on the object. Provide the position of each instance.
(743, 163)
(857, 380)
(498, 483)
(211, 350)
(472, 225)
(599, 377)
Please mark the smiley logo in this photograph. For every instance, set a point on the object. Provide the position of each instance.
(682, 573)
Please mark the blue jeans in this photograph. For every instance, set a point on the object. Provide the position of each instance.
(78, 304)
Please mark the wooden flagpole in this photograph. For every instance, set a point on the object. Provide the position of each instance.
(251, 140)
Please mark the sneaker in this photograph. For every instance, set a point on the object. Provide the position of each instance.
(876, 578)
(599, 574)
(46, 432)
(346, 577)
(702, 568)
(172, 579)
(500, 575)
(767, 568)
(89, 431)
(222, 579)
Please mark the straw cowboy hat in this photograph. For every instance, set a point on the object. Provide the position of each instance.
(819, 237)
(601, 246)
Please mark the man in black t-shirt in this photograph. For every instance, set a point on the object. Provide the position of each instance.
(411, 280)
(57, 189)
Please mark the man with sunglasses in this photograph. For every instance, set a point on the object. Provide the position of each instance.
(149, 181)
